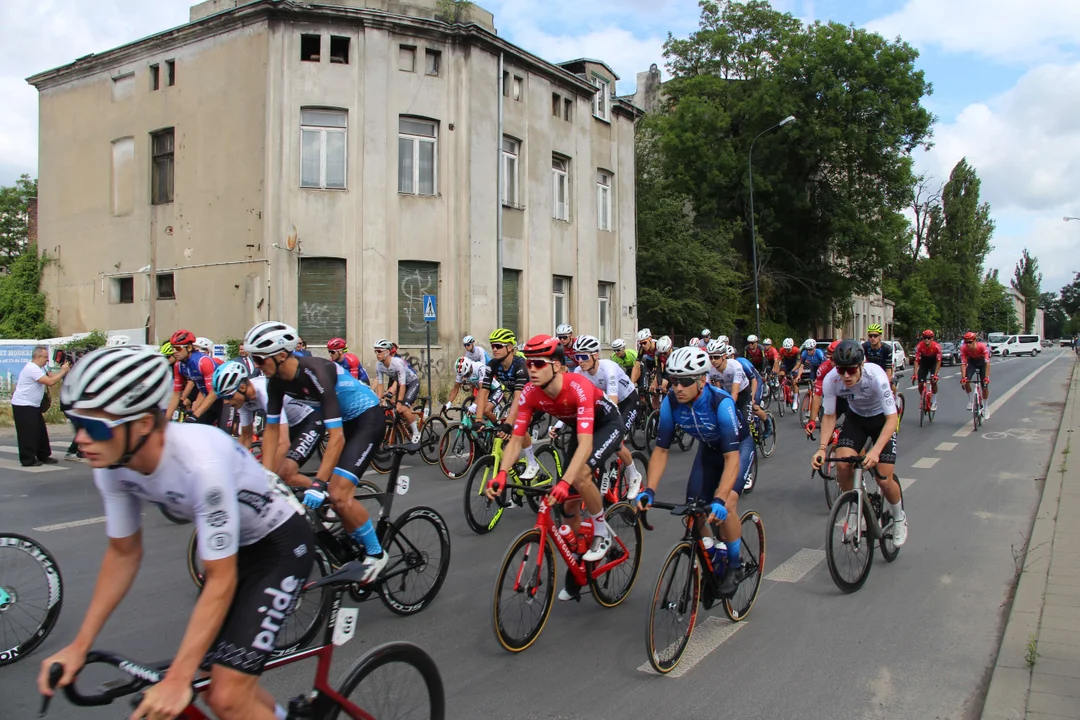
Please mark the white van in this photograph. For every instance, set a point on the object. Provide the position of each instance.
(1021, 345)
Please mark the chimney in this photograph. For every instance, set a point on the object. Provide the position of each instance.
(31, 223)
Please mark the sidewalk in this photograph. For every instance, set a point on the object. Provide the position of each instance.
(1041, 681)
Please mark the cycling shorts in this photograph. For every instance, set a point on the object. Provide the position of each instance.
(304, 438)
(972, 368)
(363, 436)
(214, 414)
(412, 391)
(926, 369)
(270, 574)
(607, 439)
(858, 429)
(709, 468)
(629, 409)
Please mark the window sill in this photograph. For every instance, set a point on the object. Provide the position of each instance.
(513, 206)
(567, 221)
(602, 118)
(417, 195)
(316, 187)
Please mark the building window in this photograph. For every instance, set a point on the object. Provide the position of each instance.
(323, 144)
(560, 188)
(511, 291)
(407, 58)
(605, 293)
(603, 200)
(518, 83)
(339, 49)
(165, 288)
(123, 176)
(510, 149)
(309, 48)
(568, 110)
(123, 290)
(321, 299)
(602, 99)
(432, 61)
(560, 295)
(123, 87)
(506, 84)
(161, 170)
(415, 280)
(417, 156)
(170, 72)
(556, 104)
(155, 77)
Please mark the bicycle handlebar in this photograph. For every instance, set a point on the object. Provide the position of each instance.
(141, 677)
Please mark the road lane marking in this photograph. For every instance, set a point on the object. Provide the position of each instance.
(708, 636)
(905, 483)
(925, 463)
(16, 465)
(797, 566)
(73, 523)
(967, 430)
(946, 446)
(963, 432)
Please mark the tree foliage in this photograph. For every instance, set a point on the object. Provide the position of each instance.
(1070, 297)
(22, 304)
(14, 217)
(1027, 280)
(915, 309)
(995, 309)
(1054, 317)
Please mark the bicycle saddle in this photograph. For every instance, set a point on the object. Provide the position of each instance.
(405, 448)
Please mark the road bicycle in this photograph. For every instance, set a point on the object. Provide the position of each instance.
(416, 690)
(482, 514)
(432, 427)
(828, 469)
(417, 544)
(765, 445)
(926, 403)
(525, 588)
(771, 391)
(859, 521)
(787, 396)
(31, 595)
(978, 404)
(398, 431)
(683, 440)
(461, 443)
(688, 577)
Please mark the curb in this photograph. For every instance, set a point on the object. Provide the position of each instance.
(1010, 684)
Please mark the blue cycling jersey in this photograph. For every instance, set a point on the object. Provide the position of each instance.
(750, 370)
(712, 418)
(813, 361)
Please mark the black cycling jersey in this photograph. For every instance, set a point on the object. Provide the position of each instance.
(323, 384)
(513, 379)
(882, 357)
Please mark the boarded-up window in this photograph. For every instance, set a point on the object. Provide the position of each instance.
(123, 176)
(415, 280)
(123, 86)
(321, 299)
(510, 293)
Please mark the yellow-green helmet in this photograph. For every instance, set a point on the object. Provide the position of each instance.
(875, 328)
(503, 336)
(167, 349)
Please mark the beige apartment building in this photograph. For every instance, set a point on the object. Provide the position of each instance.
(329, 165)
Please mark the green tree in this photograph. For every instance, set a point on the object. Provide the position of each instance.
(1070, 297)
(22, 304)
(1027, 280)
(915, 309)
(14, 217)
(1054, 318)
(995, 309)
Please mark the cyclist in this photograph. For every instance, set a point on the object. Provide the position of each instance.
(757, 388)
(772, 358)
(247, 395)
(475, 352)
(738, 378)
(871, 414)
(703, 341)
(193, 371)
(755, 354)
(975, 356)
(723, 461)
(403, 379)
(646, 351)
(507, 368)
(879, 353)
(626, 359)
(565, 334)
(206, 346)
(810, 359)
(928, 364)
(468, 371)
(339, 353)
(815, 399)
(351, 414)
(572, 399)
(254, 543)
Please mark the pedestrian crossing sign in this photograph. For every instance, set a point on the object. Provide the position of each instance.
(429, 308)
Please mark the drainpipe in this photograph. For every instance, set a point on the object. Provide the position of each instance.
(498, 207)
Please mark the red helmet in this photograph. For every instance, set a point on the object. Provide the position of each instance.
(969, 336)
(182, 337)
(543, 346)
(832, 346)
(336, 344)
(928, 334)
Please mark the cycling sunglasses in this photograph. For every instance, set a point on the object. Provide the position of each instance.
(563, 337)
(537, 364)
(684, 381)
(469, 344)
(259, 360)
(717, 357)
(582, 357)
(99, 429)
(497, 346)
(873, 335)
(847, 370)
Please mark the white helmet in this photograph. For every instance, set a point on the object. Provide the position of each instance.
(723, 339)
(663, 345)
(468, 340)
(117, 340)
(644, 334)
(270, 338)
(810, 344)
(729, 351)
(767, 342)
(564, 329)
(688, 362)
(751, 339)
(788, 343)
(618, 344)
(716, 347)
(587, 344)
(227, 378)
(706, 333)
(464, 366)
(123, 381)
(204, 344)
(383, 344)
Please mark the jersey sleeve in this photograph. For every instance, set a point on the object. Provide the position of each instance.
(521, 376)
(275, 399)
(820, 379)
(888, 402)
(352, 364)
(326, 374)
(178, 379)
(666, 427)
(525, 411)
(886, 355)
(728, 423)
(123, 511)
(484, 377)
(217, 511)
(206, 370)
(828, 396)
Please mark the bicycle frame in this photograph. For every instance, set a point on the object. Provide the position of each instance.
(547, 529)
(859, 486)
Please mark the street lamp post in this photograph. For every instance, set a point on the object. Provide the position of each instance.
(753, 225)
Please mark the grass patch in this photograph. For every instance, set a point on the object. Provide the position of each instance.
(53, 417)
(1031, 652)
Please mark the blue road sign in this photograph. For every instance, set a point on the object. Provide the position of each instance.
(430, 304)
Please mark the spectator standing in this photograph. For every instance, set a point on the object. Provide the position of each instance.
(26, 401)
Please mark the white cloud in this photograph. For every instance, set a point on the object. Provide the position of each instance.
(1054, 242)
(1000, 29)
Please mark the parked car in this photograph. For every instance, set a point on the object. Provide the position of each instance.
(1065, 342)
(1047, 342)
(899, 359)
(949, 354)
(1020, 345)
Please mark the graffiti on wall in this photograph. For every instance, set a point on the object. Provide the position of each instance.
(323, 316)
(413, 285)
(418, 363)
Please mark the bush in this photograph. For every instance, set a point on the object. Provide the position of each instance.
(232, 348)
(22, 304)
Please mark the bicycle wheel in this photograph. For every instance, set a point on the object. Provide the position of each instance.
(418, 545)
(31, 595)
(311, 612)
(900, 405)
(455, 451)
(750, 566)
(847, 548)
(550, 471)
(766, 398)
(524, 592)
(828, 474)
(430, 435)
(176, 519)
(767, 445)
(780, 404)
(652, 428)
(889, 551)
(399, 680)
(686, 440)
(612, 587)
(480, 513)
(382, 459)
(637, 430)
(674, 608)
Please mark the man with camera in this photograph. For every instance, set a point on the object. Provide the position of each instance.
(28, 411)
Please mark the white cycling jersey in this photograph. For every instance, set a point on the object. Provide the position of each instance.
(203, 475)
(477, 354)
(610, 378)
(294, 411)
(731, 374)
(871, 396)
(399, 371)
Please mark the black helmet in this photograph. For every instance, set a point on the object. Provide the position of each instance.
(848, 353)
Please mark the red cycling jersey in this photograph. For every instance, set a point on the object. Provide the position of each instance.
(922, 352)
(771, 355)
(578, 401)
(792, 354)
(978, 352)
(352, 364)
(822, 371)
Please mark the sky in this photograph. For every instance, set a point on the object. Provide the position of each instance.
(1006, 80)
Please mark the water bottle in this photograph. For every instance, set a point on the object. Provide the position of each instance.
(567, 534)
(585, 535)
(716, 552)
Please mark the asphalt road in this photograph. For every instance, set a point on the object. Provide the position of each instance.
(917, 641)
